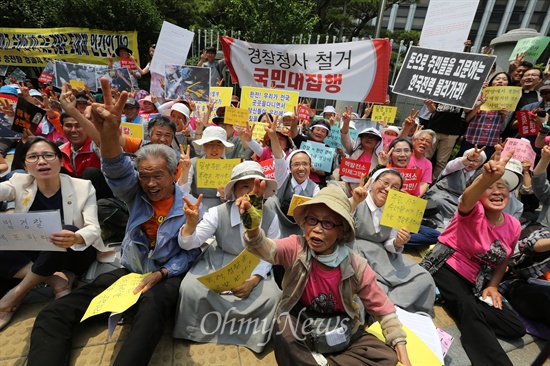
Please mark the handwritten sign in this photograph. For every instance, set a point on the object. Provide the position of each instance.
(132, 129)
(262, 100)
(117, 298)
(321, 155)
(29, 231)
(498, 97)
(258, 132)
(214, 173)
(335, 140)
(232, 275)
(526, 127)
(268, 167)
(411, 179)
(383, 113)
(532, 47)
(523, 151)
(220, 96)
(353, 168)
(296, 200)
(387, 140)
(236, 116)
(403, 210)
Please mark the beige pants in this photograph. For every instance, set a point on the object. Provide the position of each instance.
(444, 146)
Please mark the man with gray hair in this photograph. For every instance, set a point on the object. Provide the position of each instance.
(150, 245)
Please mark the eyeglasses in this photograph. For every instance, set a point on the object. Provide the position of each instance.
(298, 165)
(33, 158)
(325, 224)
(387, 184)
(531, 75)
(402, 151)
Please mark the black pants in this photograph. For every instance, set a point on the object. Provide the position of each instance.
(52, 333)
(479, 323)
(531, 300)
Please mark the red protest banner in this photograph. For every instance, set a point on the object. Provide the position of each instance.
(353, 168)
(268, 167)
(525, 126)
(129, 63)
(411, 179)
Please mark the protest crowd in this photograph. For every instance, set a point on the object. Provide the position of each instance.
(164, 189)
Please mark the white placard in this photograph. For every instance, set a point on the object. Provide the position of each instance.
(447, 24)
(29, 231)
(172, 47)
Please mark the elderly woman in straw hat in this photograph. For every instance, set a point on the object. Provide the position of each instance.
(201, 312)
(408, 285)
(212, 145)
(323, 278)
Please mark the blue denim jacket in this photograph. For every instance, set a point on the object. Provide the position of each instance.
(136, 256)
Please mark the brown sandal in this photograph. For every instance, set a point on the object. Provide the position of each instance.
(11, 311)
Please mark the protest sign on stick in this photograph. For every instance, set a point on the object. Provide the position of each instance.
(172, 47)
(452, 78)
(385, 113)
(188, 82)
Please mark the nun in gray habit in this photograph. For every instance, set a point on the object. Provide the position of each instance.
(243, 317)
(408, 285)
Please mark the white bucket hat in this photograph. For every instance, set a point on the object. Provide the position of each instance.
(390, 128)
(178, 107)
(513, 175)
(213, 133)
(248, 170)
(329, 108)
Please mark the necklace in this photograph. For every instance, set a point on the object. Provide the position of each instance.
(499, 221)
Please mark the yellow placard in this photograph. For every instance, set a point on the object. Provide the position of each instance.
(214, 173)
(232, 275)
(259, 132)
(77, 84)
(236, 116)
(498, 97)
(385, 113)
(419, 353)
(38, 46)
(116, 298)
(296, 200)
(132, 129)
(262, 100)
(403, 210)
(220, 96)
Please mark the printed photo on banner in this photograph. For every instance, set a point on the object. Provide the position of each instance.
(523, 151)
(321, 156)
(188, 82)
(118, 78)
(18, 74)
(497, 97)
(27, 115)
(352, 71)
(263, 100)
(65, 72)
(37, 47)
(3, 70)
(5, 121)
(532, 48)
(453, 78)
(403, 210)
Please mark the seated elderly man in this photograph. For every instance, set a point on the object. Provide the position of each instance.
(150, 245)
